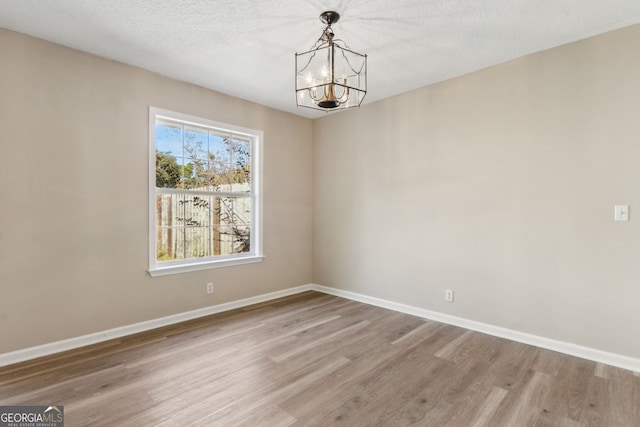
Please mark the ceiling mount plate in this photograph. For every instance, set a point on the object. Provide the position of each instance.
(329, 17)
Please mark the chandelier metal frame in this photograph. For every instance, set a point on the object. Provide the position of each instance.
(330, 76)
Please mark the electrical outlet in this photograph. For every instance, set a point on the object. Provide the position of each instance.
(448, 295)
(209, 288)
(621, 213)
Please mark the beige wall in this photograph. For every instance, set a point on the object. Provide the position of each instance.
(499, 185)
(74, 204)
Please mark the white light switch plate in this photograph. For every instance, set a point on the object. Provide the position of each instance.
(621, 213)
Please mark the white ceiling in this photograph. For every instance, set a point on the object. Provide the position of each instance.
(245, 48)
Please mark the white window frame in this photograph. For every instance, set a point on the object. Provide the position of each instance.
(196, 264)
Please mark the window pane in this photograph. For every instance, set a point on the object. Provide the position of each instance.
(169, 138)
(240, 151)
(229, 163)
(168, 171)
(234, 210)
(241, 173)
(225, 177)
(195, 144)
(218, 148)
(168, 227)
(233, 220)
(170, 230)
(164, 250)
(178, 243)
(233, 240)
(170, 244)
(197, 242)
(242, 238)
(195, 211)
(196, 158)
(195, 176)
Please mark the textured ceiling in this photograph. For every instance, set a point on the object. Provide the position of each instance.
(245, 48)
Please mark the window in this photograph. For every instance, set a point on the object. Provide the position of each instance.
(204, 198)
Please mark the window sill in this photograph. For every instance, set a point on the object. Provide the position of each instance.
(186, 268)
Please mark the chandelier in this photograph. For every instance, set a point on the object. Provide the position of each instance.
(330, 76)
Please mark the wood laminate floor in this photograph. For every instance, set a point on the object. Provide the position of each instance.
(318, 360)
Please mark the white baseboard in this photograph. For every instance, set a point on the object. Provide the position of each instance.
(595, 355)
(77, 342)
